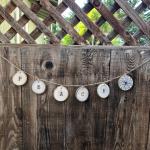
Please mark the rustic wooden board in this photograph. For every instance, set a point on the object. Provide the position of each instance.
(31, 122)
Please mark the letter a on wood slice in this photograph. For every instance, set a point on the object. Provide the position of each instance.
(61, 93)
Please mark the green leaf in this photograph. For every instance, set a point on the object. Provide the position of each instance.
(67, 40)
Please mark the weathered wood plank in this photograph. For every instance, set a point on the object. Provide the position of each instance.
(15, 25)
(64, 24)
(41, 123)
(30, 112)
(10, 102)
(36, 20)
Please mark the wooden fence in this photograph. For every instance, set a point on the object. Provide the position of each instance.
(119, 27)
(38, 122)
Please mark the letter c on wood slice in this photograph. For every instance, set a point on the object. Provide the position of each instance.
(82, 94)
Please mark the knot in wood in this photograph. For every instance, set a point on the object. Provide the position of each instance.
(47, 64)
(96, 3)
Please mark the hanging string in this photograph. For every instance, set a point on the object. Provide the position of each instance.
(73, 85)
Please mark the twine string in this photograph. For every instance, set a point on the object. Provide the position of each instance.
(73, 85)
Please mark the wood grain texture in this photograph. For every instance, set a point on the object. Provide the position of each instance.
(38, 122)
(10, 103)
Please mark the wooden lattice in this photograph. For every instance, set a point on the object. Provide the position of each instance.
(67, 27)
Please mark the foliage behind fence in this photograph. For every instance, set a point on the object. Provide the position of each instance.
(131, 27)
